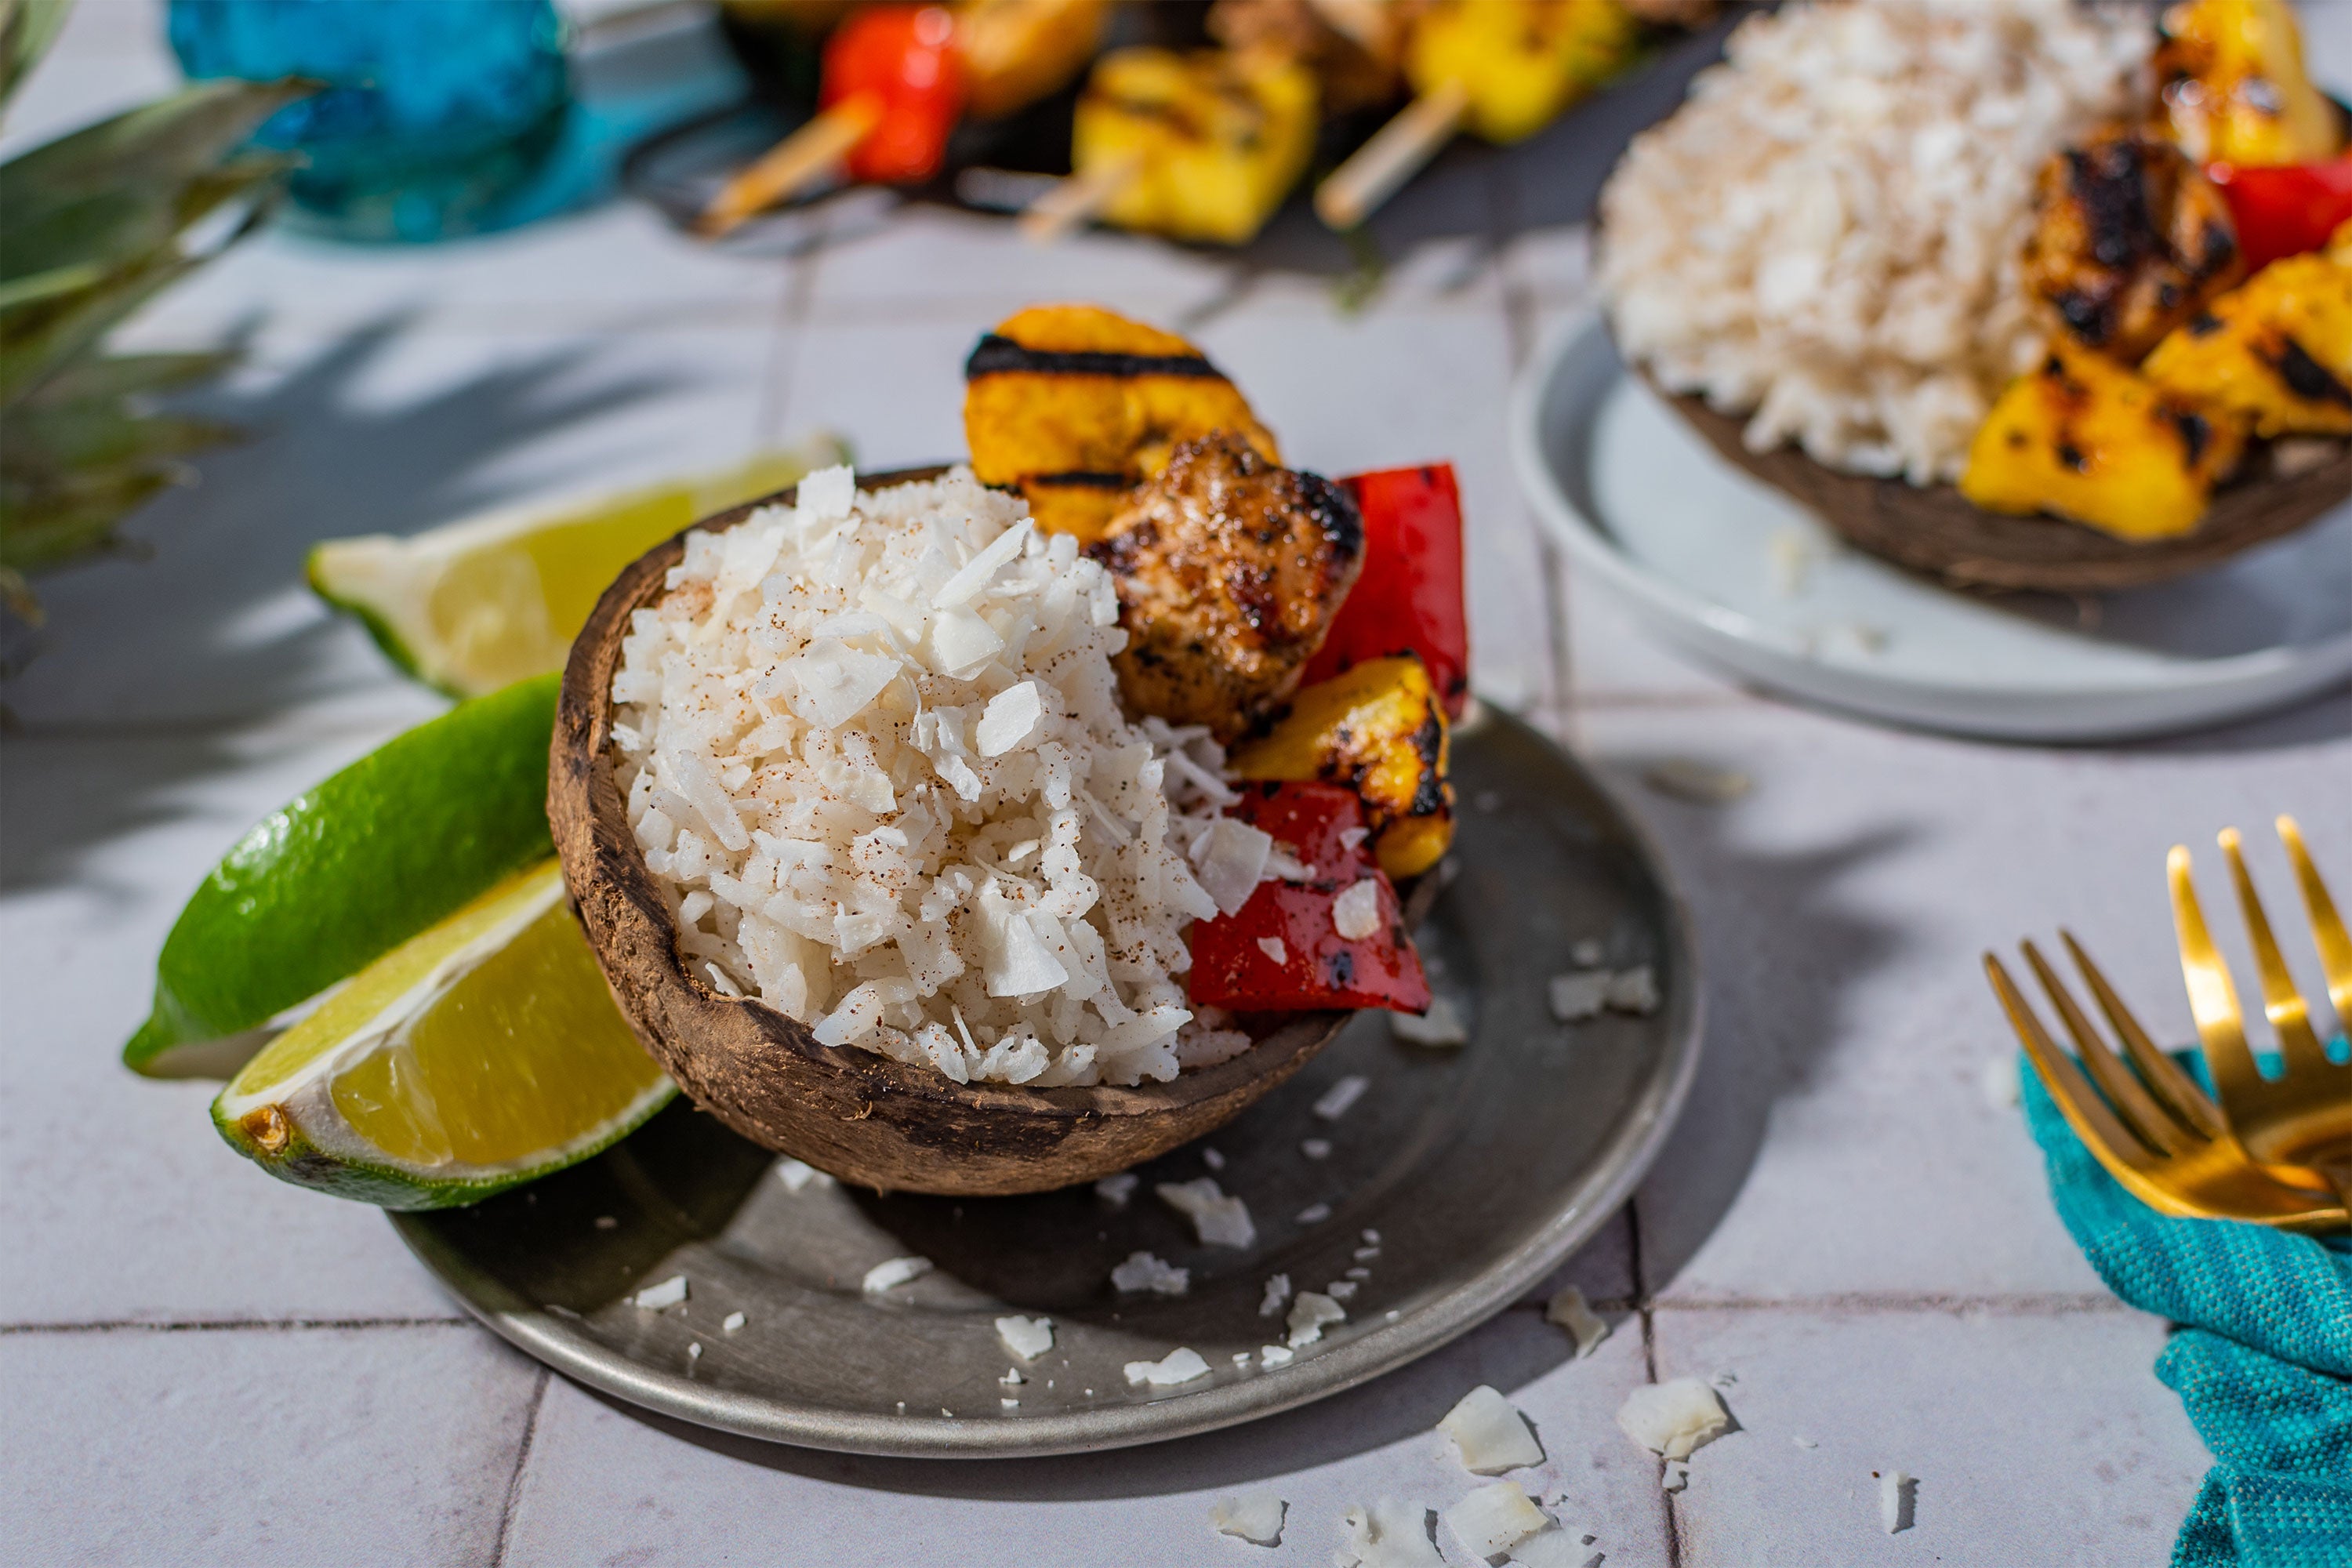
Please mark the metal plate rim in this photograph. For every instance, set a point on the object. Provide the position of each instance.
(1618, 1168)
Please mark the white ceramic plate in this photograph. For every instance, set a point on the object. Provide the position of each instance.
(1732, 571)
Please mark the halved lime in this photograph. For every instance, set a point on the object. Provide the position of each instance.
(347, 871)
(474, 605)
(476, 1055)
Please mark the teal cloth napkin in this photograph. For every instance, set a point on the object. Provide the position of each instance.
(2262, 1357)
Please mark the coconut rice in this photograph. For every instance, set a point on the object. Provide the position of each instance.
(1826, 236)
(872, 748)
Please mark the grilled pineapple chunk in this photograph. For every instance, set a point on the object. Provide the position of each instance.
(1017, 51)
(2087, 439)
(2277, 351)
(1204, 145)
(1519, 61)
(1380, 730)
(1075, 406)
(2233, 87)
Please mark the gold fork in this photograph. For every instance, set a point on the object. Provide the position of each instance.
(2155, 1132)
(2299, 1124)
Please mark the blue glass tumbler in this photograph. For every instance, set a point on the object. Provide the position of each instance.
(435, 115)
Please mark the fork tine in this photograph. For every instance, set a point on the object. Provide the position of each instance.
(2117, 1146)
(2125, 1092)
(2281, 1003)
(2212, 1000)
(2327, 932)
(2175, 1088)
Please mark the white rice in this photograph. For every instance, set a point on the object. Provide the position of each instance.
(873, 749)
(1825, 236)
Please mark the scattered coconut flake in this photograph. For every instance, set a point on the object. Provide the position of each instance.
(1273, 1355)
(1229, 860)
(1314, 1214)
(1241, 1358)
(1568, 1308)
(1027, 1338)
(1491, 1433)
(1372, 1238)
(1356, 913)
(606, 1222)
(894, 1272)
(1008, 1404)
(1493, 1518)
(1441, 1025)
(1633, 990)
(693, 1351)
(1309, 1316)
(1335, 1100)
(1365, 1254)
(1273, 947)
(1999, 1082)
(1553, 1548)
(1255, 1517)
(1674, 1419)
(730, 1322)
(1701, 783)
(1580, 995)
(1116, 1190)
(1353, 838)
(1387, 1534)
(797, 1175)
(1675, 1476)
(1179, 1366)
(1896, 1491)
(1212, 1159)
(1316, 1148)
(1219, 1218)
(1587, 953)
(1340, 1290)
(668, 1293)
(1277, 1291)
(1804, 1442)
(1012, 1378)
(1143, 1272)
(1012, 718)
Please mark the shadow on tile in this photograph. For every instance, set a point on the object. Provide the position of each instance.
(2323, 720)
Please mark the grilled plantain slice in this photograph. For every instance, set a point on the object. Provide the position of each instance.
(1379, 729)
(1075, 406)
(2277, 351)
(2087, 439)
(2129, 240)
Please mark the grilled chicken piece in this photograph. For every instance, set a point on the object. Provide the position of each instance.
(2087, 439)
(2129, 240)
(1075, 406)
(2277, 351)
(1229, 571)
(2233, 87)
(1353, 47)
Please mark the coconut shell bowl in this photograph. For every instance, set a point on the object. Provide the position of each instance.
(1938, 532)
(863, 1117)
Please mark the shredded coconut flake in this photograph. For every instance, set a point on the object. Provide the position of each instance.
(1440, 1026)
(1143, 1272)
(1493, 1518)
(1273, 947)
(1309, 1315)
(1490, 1434)
(1568, 1308)
(668, 1293)
(1356, 913)
(798, 1178)
(1277, 1291)
(1387, 1534)
(1674, 1418)
(1255, 1517)
(730, 1322)
(1116, 1190)
(1334, 1101)
(1896, 1492)
(894, 1272)
(1179, 1366)
(1219, 1218)
(1027, 1338)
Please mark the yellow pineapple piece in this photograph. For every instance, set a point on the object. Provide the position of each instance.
(2277, 352)
(1379, 729)
(1201, 145)
(2087, 439)
(2233, 87)
(1017, 51)
(1520, 62)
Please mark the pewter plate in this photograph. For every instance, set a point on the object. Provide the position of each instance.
(1476, 1169)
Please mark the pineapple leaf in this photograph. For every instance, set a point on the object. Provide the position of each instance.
(125, 375)
(175, 138)
(63, 279)
(27, 27)
(41, 443)
(47, 524)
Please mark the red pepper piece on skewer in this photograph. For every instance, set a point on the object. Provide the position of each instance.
(1409, 598)
(1282, 951)
(2285, 210)
(904, 58)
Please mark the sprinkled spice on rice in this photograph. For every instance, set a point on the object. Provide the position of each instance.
(872, 747)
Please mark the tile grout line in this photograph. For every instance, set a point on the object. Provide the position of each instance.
(1644, 1305)
(230, 1325)
(522, 1460)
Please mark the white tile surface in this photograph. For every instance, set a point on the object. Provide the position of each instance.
(2035, 1439)
(118, 1199)
(386, 1446)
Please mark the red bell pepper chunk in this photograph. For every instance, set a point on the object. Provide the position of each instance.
(1282, 951)
(2285, 210)
(1409, 597)
(903, 58)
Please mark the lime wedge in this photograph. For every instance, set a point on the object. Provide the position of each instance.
(469, 1059)
(346, 872)
(475, 605)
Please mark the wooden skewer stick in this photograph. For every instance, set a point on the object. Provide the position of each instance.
(1355, 190)
(1073, 201)
(792, 165)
